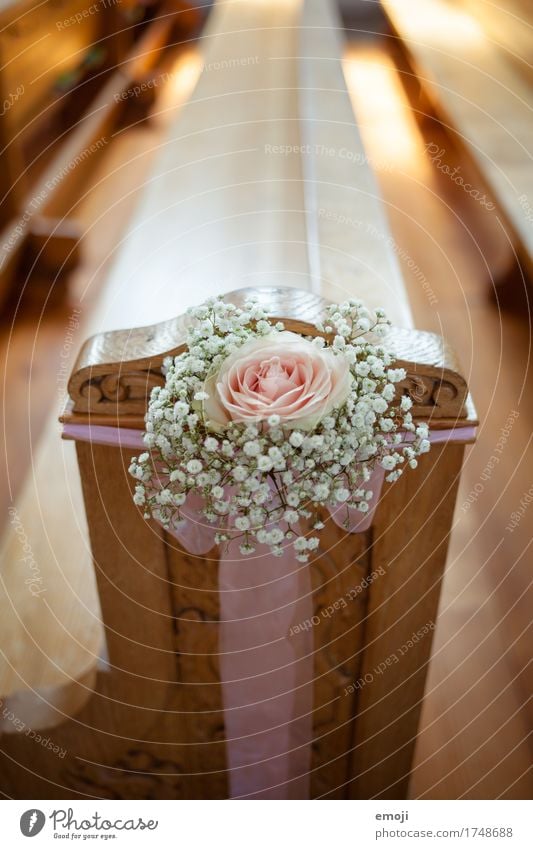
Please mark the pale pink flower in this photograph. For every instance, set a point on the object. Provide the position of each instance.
(281, 374)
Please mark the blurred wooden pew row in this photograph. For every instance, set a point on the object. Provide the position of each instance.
(484, 103)
(63, 74)
(509, 26)
(250, 187)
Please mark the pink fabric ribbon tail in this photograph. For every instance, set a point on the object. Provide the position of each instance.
(266, 664)
(267, 674)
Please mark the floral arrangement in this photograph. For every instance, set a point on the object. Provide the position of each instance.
(269, 427)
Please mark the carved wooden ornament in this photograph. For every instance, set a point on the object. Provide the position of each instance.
(116, 371)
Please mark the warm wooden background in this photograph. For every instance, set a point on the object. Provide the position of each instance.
(474, 741)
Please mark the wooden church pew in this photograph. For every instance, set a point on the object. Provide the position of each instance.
(253, 189)
(509, 27)
(484, 103)
(59, 116)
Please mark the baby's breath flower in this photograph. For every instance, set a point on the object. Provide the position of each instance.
(194, 467)
(264, 463)
(342, 494)
(139, 497)
(379, 405)
(291, 517)
(321, 491)
(276, 535)
(252, 448)
(181, 409)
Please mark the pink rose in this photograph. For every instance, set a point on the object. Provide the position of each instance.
(281, 374)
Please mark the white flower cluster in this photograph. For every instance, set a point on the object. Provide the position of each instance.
(260, 482)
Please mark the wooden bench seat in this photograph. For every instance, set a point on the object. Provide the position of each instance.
(483, 100)
(265, 145)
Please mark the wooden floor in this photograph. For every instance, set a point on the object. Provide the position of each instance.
(474, 736)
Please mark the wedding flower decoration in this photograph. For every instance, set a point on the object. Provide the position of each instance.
(280, 374)
(266, 428)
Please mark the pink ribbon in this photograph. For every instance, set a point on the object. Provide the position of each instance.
(266, 664)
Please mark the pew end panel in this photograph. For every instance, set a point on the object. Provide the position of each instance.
(154, 724)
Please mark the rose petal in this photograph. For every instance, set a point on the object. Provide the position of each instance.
(281, 373)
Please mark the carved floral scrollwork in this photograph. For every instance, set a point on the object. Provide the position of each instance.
(128, 389)
(433, 394)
